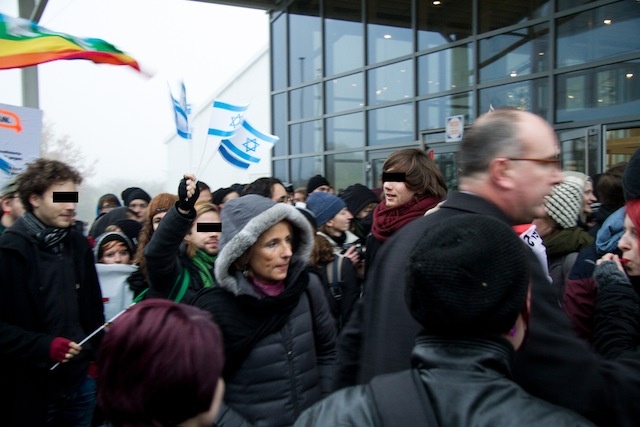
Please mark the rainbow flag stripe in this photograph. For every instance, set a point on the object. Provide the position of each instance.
(24, 43)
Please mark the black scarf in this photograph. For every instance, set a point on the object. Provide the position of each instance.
(244, 320)
(50, 237)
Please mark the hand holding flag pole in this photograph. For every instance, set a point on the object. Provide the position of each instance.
(96, 332)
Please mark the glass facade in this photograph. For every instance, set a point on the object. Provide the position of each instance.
(352, 79)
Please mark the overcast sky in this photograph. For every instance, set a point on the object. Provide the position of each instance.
(116, 115)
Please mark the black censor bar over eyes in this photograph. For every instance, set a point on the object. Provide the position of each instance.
(209, 227)
(65, 197)
(394, 177)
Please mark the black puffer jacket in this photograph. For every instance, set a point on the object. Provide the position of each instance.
(467, 383)
(288, 370)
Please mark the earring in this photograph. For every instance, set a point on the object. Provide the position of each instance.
(512, 332)
(245, 271)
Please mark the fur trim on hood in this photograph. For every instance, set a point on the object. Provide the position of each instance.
(243, 221)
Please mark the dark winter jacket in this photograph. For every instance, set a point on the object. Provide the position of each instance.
(166, 260)
(580, 289)
(553, 365)
(617, 313)
(288, 370)
(25, 378)
(467, 383)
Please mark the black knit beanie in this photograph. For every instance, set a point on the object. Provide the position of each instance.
(631, 177)
(467, 276)
(134, 193)
(315, 182)
(357, 197)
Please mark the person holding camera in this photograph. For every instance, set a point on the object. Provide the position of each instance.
(337, 254)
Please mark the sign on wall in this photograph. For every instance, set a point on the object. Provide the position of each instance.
(454, 128)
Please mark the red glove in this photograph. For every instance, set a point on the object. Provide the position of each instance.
(59, 349)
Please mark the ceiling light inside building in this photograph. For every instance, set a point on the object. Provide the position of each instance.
(629, 75)
(513, 74)
(387, 36)
(437, 3)
(607, 21)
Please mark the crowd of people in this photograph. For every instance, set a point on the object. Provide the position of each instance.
(513, 300)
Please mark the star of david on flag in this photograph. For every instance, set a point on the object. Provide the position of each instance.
(246, 146)
(226, 118)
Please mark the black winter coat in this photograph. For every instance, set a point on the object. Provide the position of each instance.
(24, 340)
(554, 364)
(467, 383)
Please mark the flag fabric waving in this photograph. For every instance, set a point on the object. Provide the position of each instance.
(247, 146)
(226, 118)
(24, 43)
(181, 112)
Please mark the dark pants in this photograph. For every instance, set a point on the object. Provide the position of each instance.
(76, 408)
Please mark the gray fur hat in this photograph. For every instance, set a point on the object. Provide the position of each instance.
(244, 220)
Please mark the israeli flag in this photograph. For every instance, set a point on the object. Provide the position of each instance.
(247, 146)
(182, 110)
(226, 119)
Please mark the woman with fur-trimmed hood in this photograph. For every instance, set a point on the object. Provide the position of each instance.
(278, 332)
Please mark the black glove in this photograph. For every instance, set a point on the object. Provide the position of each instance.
(186, 203)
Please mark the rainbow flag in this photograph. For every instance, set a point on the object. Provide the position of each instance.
(24, 43)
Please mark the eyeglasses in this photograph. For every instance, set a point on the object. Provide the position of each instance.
(551, 161)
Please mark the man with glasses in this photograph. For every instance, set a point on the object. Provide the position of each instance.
(508, 163)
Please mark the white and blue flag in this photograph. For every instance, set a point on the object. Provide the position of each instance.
(246, 146)
(226, 119)
(181, 111)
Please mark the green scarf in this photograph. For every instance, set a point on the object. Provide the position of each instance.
(204, 262)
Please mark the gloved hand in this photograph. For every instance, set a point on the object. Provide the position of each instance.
(58, 349)
(188, 193)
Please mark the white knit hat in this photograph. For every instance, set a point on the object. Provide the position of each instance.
(564, 204)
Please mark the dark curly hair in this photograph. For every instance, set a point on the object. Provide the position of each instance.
(40, 175)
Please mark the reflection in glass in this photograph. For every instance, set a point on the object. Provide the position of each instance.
(439, 25)
(306, 102)
(345, 169)
(279, 123)
(305, 44)
(391, 125)
(306, 137)
(278, 52)
(344, 40)
(345, 93)
(389, 32)
(607, 91)
(344, 132)
(495, 14)
(304, 168)
(433, 113)
(605, 32)
(391, 83)
(530, 95)
(280, 169)
(448, 167)
(516, 53)
(446, 70)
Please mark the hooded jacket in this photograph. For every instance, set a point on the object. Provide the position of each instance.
(288, 370)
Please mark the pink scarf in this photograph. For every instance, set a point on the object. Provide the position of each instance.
(268, 289)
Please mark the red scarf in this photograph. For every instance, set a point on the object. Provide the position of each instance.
(387, 221)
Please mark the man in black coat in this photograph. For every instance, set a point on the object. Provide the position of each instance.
(49, 301)
(507, 164)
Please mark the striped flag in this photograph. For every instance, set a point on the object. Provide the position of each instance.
(181, 111)
(24, 43)
(226, 118)
(247, 146)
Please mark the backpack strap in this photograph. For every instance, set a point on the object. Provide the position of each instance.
(401, 400)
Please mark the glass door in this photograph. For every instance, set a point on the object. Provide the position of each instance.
(620, 144)
(581, 150)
